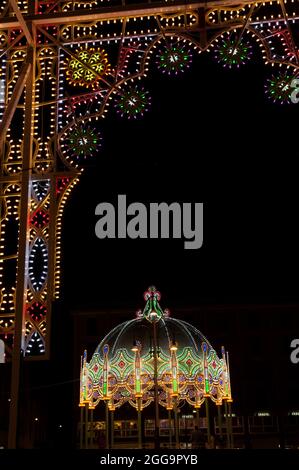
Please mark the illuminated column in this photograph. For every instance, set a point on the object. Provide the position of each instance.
(227, 398)
(81, 404)
(84, 378)
(225, 374)
(84, 402)
(81, 397)
(206, 372)
(175, 391)
(226, 394)
(23, 245)
(105, 372)
(174, 369)
(157, 420)
(207, 389)
(229, 402)
(106, 397)
(197, 407)
(138, 392)
(229, 394)
(136, 349)
(85, 395)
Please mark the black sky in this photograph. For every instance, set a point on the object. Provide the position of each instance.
(211, 136)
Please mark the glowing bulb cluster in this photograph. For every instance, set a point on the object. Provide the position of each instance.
(232, 51)
(174, 59)
(81, 142)
(88, 67)
(279, 87)
(40, 219)
(132, 102)
(37, 311)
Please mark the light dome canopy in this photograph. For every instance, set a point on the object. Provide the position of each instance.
(154, 350)
(168, 330)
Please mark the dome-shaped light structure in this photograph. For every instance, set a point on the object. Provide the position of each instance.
(154, 357)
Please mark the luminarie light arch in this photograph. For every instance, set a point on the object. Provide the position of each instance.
(131, 37)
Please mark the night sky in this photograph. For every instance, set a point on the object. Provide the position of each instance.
(211, 136)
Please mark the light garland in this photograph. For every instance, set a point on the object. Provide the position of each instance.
(231, 51)
(174, 58)
(132, 102)
(81, 143)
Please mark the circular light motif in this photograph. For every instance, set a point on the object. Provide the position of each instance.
(279, 88)
(81, 142)
(88, 75)
(37, 311)
(174, 59)
(132, 102)
(40, 219)
(233, 53)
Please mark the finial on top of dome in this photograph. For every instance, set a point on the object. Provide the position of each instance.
(152, 292)
(152, 310)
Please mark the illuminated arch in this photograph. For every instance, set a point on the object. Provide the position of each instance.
(126, 33)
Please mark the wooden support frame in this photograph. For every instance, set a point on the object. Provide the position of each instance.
(125, 11)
